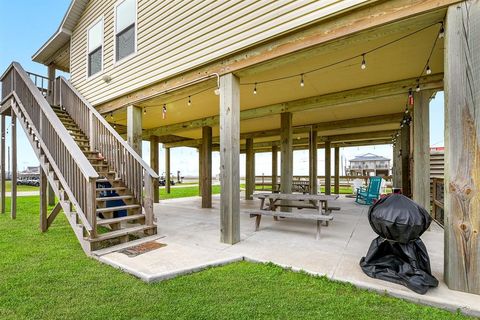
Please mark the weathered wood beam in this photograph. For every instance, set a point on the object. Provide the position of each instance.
(462, 151)
(421, 149)
(357, 24)
(405, 151)
(397, 164)
(230, 159)
(206, 155)
(43, 201)
(55, 211)
(345, 97)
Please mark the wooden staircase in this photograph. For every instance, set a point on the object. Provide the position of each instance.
(111, 226)
(104, 188)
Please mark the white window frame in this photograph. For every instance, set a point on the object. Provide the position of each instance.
(134, 53)
(103, 48)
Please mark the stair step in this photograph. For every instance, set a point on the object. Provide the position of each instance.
(102, 222)
(107, 180)
(119, 208)
(111, 189)
(114, 198)
(119, 233)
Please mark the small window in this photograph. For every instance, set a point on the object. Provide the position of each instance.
(95, 48)
(125, 29)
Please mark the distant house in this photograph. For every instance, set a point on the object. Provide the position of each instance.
(369, 164)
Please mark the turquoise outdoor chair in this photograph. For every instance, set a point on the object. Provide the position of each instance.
(370, 193)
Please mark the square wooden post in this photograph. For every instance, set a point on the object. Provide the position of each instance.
(51, 78)
(155, 166)
(405, 156)
(43, 201)
(462, 151)
(250, 169)
(274, 167)
(312, 161)
(13, 205)
(134, 128)
(421, 149)
(2, 164)
(167, 170)
(328, 168)
(230, 158)
(336, 178)
(397, 164)
(206, 168)
(200, 166)
(286, 148)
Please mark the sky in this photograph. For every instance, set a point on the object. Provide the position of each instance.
(29, 24)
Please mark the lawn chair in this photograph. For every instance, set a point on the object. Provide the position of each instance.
(370, 193)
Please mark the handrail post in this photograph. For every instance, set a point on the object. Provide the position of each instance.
(92, 131)
(148, 199)
(92, 206)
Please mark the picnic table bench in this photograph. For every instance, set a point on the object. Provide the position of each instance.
(300, 201)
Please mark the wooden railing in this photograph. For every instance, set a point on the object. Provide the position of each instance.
(137, 176)
(72, 168)
(437, 185)
(264, 182)
(41, 82)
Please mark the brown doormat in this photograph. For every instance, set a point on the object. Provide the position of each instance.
(142, 248)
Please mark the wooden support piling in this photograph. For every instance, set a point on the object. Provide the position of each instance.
(421, 149)
(286, 148)
(328, 168)
(206, 168)
(13, 198)
(462, 151)
(313, 160)
(2, 165)
(134, 128)
(336, 178)
(167, 170)
(405, 156)
(250, 170)
(43, 201)
(154, 164)
(230, 158)
(274, 167)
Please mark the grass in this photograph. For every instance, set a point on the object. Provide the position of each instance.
(47, 276)
(8, 187)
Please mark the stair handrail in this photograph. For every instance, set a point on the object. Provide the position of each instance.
(102, 120)
(129, 166)
(84, 199)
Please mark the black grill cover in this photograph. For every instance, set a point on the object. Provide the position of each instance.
(397, 254)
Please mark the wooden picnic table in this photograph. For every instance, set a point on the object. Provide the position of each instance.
(301, 201)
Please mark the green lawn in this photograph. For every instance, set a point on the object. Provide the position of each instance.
(47, 276)
(8, 187)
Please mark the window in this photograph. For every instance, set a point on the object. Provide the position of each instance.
(125, 29)
(95, 48)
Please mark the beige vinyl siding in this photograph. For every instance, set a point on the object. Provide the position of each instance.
(176, 36)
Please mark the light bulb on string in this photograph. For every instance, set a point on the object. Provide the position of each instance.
(164, 111)
(428, 70)
(111, 115)
(189, 101)
(417, 89)
(302, 83)
(114, 125)
(441, 33)
(255, 89)
(144, 110)
(364, 63)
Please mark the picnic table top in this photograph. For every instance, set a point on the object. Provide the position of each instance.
(292, 196)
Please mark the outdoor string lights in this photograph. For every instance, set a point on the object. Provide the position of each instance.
(302, 76)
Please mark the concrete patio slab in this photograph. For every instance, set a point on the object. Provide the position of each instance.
(192, 239)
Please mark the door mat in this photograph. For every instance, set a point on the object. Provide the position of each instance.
(142, 248)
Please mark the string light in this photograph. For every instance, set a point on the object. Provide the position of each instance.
(364, 63)
(111, 115)
(144, 110)
(114, 125)
(418, 86)
(189, 101)
(164, 111)
(255, 89)
(441, 33)
(302, 83)
(428, 71)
